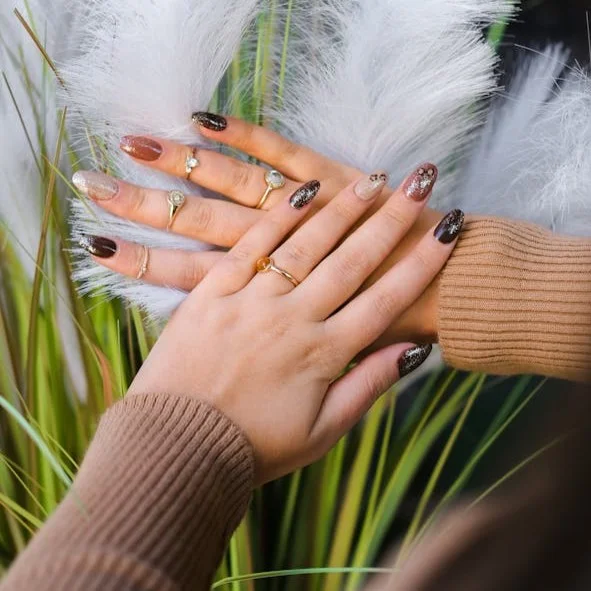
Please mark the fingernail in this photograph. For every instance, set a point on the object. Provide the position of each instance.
(304, 195)
(371, 186)
(450, 226)
(419, 184)
(210, 121)
(142, 148)
(96, 185)
(103, 248)
(413, 358)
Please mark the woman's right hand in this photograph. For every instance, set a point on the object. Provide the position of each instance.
(266, 349)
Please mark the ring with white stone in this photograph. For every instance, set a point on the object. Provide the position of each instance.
(275, 180)
(145, 262)
(176, 200)
(191, 162)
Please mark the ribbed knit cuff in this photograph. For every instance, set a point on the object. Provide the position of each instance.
(515, 298)
(165, 482)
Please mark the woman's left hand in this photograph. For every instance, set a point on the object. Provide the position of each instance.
(266, 347)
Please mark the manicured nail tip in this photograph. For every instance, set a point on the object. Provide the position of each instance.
(413, 358)
(103, 248)
(96, 185)
(450, 226)
(419, 184)
(370, 187)
(304, 195)
(142, 148)
(210, 121)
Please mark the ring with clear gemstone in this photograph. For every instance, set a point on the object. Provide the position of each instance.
(275, 179)
(191, 163)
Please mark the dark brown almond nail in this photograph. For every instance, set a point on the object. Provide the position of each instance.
(413, 358)
(142, 148)
(450, 226)
(103, 248)
(210, 121)
(419, 184)
(304, 195)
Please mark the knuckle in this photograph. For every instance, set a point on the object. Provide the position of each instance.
(385, 304)
(297, 252)
(193, 274)
(240, 253)
(290, 150)
(202, 217)
(135, 205)
(245, 139)
(241, 176)
(345, 210)
(426, 262)
(396, 217)
(352, 264)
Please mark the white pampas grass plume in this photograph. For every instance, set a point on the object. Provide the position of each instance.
(375, 83)
(144, 68)
(533, 161)
(389, 84)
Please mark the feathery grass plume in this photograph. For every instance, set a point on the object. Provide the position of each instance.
(533, 160)
(145, 67)
(388, 84)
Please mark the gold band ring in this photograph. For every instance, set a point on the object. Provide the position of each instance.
(266, 264)
(191, 162)
(175, 200)
(145, 262)
(274, 180)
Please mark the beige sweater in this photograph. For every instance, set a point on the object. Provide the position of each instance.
(167, 478)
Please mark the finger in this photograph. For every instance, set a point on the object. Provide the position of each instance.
(321, 233)
(363, 320)
(340, 275)
(209, 220)
(238, 267)
(171, 268)
(297, 162)
(240, 181)
(350, 397)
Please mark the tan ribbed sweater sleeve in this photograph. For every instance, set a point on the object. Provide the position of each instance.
(515, 299)
(164, 483)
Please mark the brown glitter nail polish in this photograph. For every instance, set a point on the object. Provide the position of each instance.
(413, 358)
(371, 186)
(210, 121)
(96, 185)
(304, 195)
(103, 248)
(419, 184)
(142, 148)
(450, 226)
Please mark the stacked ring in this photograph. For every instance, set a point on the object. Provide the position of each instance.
(275, 180)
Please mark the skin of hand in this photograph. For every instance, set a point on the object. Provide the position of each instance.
(223, 223)
(269, 353)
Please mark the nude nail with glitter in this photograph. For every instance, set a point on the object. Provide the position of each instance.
(419, 184)
(371, 186)
(96, 185)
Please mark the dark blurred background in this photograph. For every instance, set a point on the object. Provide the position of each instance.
(559, 21)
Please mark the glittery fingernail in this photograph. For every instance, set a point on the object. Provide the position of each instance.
(450, 226)
(96, 185)
(103, 248)
(304, 195)
(413, 358)
(419, 184)
(370, 187)
(142, 148)
(210, 121)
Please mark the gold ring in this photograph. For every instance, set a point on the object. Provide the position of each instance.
(266, 264)
(176, 200)
(274, 180)
(145, 262)
(191, 162)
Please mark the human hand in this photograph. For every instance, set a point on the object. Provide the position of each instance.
(267, 353)
(223, 223)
